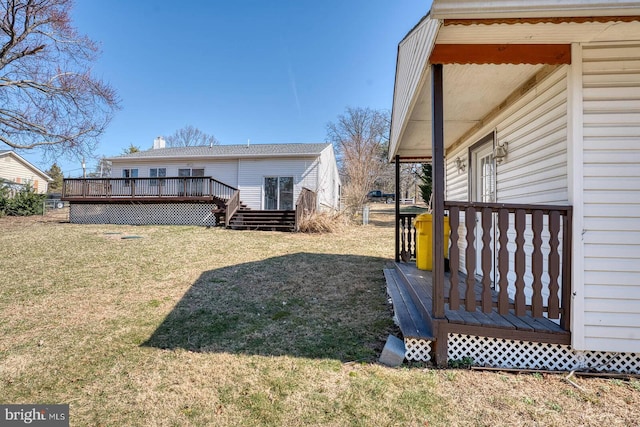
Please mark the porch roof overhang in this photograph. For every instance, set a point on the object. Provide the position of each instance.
(488, 61)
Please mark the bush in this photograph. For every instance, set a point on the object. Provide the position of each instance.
(25, 202)
(323, 222)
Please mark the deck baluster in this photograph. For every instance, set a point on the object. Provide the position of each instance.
(520, 263)
(487, 253)
(554, 265)
(536, 263)
(503, 261)
(454, 259)
(470, 261)
(409, 240)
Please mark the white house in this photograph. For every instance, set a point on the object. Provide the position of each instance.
(530, 112)
(14, 168)
(269, 176)
(180, 182)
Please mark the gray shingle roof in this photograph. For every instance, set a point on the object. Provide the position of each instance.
(251, 150)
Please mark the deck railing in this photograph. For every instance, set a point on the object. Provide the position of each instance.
(306, 204)
(231, 207)
(79, 189)
(520, 252)
(407, 236)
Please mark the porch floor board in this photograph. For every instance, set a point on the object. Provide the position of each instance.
(409, 319)
(421, 282)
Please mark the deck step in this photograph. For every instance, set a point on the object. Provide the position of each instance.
(263, 220)
(410, 320)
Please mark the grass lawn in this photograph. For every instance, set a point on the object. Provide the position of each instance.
(192, 326)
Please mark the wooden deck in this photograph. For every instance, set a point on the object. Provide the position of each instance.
(411, 291)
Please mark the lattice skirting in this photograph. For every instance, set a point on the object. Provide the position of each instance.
(504, 353)
(417, 349)
(143, 214)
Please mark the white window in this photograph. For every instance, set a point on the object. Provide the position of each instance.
(129, 173)
(157, 173)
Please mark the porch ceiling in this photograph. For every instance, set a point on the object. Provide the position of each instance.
(470, 93)
(473, 91)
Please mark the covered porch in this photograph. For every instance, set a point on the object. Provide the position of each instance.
(505, 275)
(503, 272)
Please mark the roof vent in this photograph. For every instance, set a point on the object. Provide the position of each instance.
(158, 143)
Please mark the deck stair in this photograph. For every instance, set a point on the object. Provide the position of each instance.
(246, 219)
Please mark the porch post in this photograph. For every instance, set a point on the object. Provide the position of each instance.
(397, 215)
(438, 191)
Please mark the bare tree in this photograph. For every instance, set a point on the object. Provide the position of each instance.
(190, 136)
(360, 137)
(48, 97)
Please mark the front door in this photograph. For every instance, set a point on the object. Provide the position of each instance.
(483, 177)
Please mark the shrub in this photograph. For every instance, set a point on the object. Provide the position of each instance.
(25, 202)
(323, 222)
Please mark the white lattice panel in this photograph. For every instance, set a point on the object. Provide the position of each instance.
(143, 214)
(417, 349)
(503, 353)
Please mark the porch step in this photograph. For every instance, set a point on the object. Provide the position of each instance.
(409, 319)
(263, 220)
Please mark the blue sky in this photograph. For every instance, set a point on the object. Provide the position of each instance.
(267, 71)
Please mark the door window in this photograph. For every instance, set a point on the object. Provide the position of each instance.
(483, 184)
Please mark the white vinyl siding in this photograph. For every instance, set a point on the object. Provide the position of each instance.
(611, 81)
(318, 173)
(251, 174)
(225, 171)
(457, 180)
(535, 169)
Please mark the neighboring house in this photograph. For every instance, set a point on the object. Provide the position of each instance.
(19, 172)
(267, 177)
(530, 113)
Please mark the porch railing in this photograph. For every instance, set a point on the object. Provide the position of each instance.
(146, 188)
(407, 236)
(514, 258)
(306, 204)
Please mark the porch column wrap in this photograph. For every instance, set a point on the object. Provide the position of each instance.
(438, 191)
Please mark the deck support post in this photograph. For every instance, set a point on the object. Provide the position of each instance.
(438, 190)
(397, 214)
(440, 348)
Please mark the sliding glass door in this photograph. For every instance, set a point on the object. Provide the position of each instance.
(278, 193)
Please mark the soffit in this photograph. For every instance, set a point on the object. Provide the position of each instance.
(473, 91)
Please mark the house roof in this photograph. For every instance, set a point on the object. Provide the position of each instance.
(22, 160)
(472, 40)
(230, 151)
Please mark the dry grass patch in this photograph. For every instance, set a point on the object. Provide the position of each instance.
(324, 222)
(193, 326)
